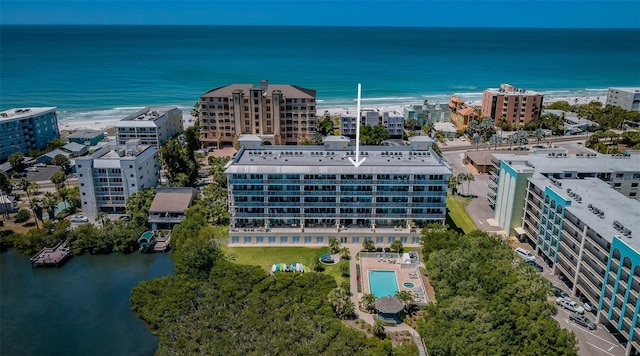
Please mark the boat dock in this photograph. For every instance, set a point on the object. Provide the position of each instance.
(162, 241)
(51, 256)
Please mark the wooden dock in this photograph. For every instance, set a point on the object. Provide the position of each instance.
(162, 241)
(52, 256)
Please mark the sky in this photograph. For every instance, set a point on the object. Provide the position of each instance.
(415, 13)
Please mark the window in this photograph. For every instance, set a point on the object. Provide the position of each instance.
(235, 239)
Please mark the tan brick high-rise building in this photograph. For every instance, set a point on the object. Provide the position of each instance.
(280, 114)
(518, 106)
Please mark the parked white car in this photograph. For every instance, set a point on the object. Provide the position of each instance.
(79, 219)
(526, 254)
(569, 304)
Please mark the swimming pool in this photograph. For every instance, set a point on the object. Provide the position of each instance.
(383, 283)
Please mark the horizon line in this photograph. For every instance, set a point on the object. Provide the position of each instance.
(319, 26)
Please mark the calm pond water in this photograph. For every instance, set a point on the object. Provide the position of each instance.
(82, 308)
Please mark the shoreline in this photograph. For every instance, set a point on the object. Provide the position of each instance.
(106, 122)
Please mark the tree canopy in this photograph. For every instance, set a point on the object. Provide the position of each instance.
(486, 305)
(214, 306)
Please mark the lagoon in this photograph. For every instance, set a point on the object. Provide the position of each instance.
(81, 308)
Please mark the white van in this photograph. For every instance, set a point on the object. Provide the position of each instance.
(526, 254)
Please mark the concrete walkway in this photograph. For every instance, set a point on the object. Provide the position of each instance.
(355, 298)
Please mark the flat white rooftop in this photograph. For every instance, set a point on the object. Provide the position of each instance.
(18, 113)
(596, 194)
(318, 160)
(543, 163)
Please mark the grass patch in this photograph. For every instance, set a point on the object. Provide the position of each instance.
(266, 257)
(457, 217)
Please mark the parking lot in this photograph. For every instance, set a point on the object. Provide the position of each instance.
(591, 342)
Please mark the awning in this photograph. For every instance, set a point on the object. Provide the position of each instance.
(520, 231)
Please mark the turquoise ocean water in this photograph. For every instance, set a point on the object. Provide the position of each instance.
(93, 72)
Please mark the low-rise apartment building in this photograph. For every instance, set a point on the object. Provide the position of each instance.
(26, 129)
(517, 106)
(281, 114)
(111, 174)
(152, 126)
(308, 194)
(392, 121)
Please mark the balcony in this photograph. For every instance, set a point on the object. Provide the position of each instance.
(586, 283)
(572, 225)
(282, 193)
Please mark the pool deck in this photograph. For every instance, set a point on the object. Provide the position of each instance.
(355, 296)
(402, 275)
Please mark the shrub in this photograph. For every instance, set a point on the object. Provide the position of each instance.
(23, 215)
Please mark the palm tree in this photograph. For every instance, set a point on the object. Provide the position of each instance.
(405, 297)
(539, 135)
(24, 185)
(378, 329)
(49, 203)
(369, 302)
(453, 184)
(502, 123)
(396, 246)
(345, 254)
(368, 245)
(36, 207)
(334, 245)
(473, 127)
(338, 299)
(476, 140)
(495, 140)
(469, 177)
(486, 125)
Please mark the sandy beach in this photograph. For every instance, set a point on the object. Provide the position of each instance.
(108, 124)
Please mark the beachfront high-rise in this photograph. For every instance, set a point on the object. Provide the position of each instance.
(152, 126)
(517, 106)
(626, 98)
(281, 114)
(112, 173)
(23, 130)
(308, 194)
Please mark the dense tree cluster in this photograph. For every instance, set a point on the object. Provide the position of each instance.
(487, 303)
(215, 307)
(179, 159)
(373, 135)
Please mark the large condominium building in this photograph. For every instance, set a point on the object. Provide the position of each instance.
(517, 106)
(508, 184)
(281, 114)
(626, 98)
(112, 173)
(23, 130)
(307, 194)
(572, 210)
(590, 236)
(152, 126)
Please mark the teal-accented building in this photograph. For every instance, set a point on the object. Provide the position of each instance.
(589, 234)
(508, 197)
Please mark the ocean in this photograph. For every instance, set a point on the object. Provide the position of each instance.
(100, 72)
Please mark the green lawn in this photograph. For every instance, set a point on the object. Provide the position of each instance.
(457, 215)
(265, 257)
